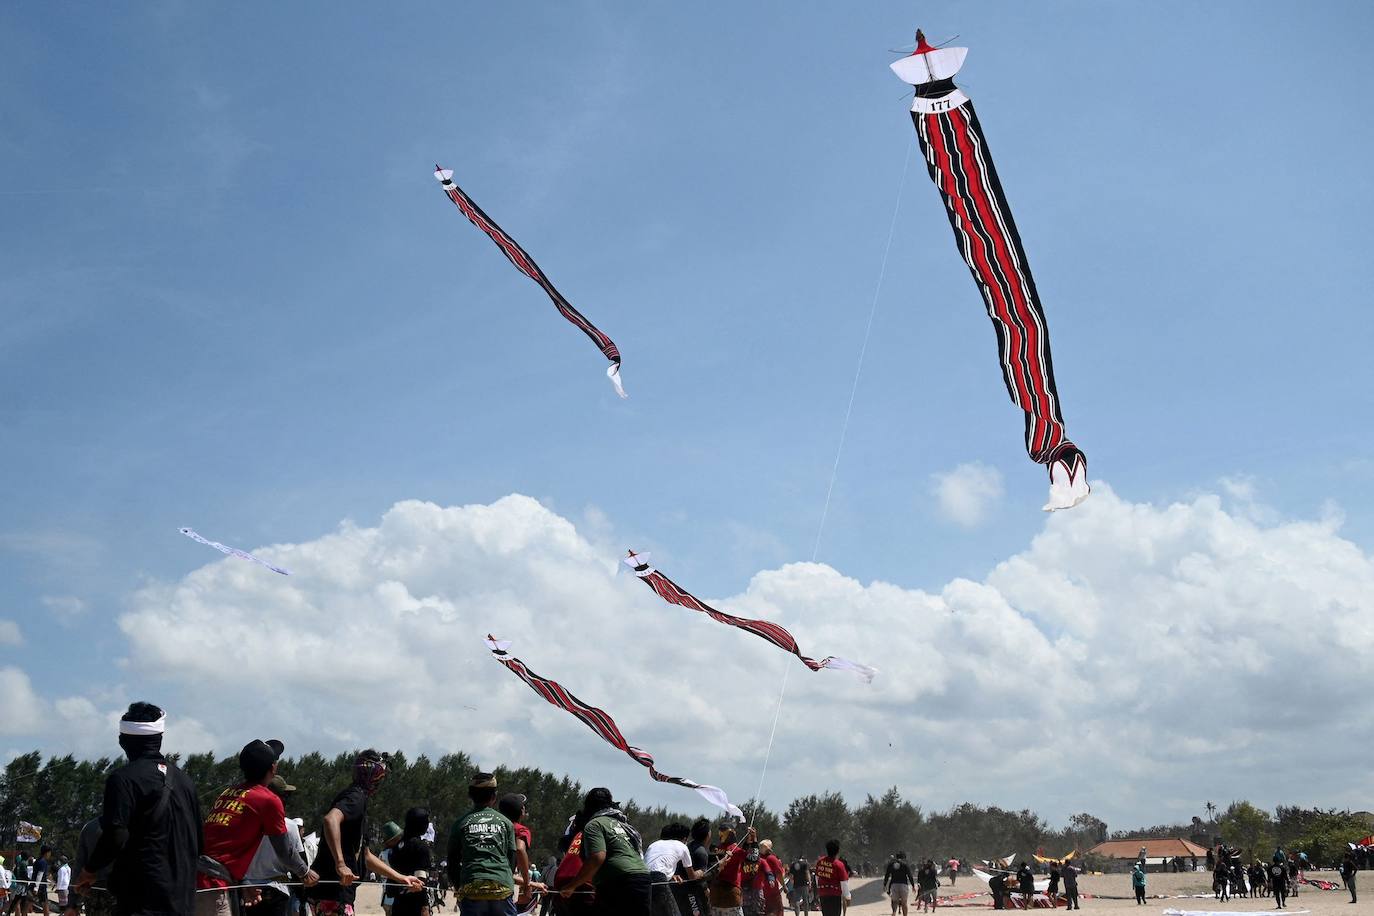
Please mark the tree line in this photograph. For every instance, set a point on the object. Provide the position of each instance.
(62, 793)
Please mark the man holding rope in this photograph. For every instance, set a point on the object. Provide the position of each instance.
(149, 824)
(344, 856)
(242, 817)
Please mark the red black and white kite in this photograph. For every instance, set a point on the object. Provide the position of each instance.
(525, 264)
(960, 164)
(601, 723)
(673, 593)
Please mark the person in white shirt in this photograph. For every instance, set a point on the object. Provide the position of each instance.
(64, 880)
(267, 867)
(669, 862)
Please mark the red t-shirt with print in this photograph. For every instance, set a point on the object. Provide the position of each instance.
(829, 873)
(240, 818)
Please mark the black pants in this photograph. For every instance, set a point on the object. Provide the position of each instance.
(1139, 894)
(1280, 894)
(997, 903)
(661, 902)
(628, 896)
(1072, 894)
(832, 906)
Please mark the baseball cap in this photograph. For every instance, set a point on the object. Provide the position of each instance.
(482, 781)
(257, 757)
(280, 785)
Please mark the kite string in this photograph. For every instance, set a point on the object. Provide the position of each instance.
(835, 468)
(863, 351)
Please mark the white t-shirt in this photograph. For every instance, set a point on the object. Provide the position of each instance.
(64, 877)
(664, 856)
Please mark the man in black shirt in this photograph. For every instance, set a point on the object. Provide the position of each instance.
(897, 881)
(998, 885)
(149, 825)
(799, 889)
(691, 893)
(343, 858)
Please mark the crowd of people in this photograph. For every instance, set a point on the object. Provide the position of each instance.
(153, 851)
(150, 851)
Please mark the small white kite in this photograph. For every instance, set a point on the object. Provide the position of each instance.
(232, 551)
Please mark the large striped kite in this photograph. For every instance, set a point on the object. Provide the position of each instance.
(957, 157)
(598, 721)
(673, 593)
(525, 264)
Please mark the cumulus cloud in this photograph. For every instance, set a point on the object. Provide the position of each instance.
(9, 634)
(1127, 650)
(23, 707)
(965, 493)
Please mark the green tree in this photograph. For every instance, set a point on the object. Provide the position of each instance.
(1248, 828)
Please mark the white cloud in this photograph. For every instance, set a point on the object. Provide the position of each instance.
(65, 608)
(9, 634)
(965, 493)
(1128, 648)
(23, 707)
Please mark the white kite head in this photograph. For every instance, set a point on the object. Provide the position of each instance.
(927, 63)
(443, 176)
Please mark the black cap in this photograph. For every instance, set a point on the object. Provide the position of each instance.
(257, 758)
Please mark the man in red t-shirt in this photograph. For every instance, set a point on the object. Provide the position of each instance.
(724, 890)
(241, 817)
(770, 879)
(830, 872)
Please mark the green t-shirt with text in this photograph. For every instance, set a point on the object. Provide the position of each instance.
(608, 835)
(485, 842)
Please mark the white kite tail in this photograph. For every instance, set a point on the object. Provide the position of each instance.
(613, 373)
(722, 801)
(843, 664)
(1068, 482)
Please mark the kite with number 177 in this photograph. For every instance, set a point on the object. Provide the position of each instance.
(956, 154)
(598, 721)
(525, 264)
(673, 593)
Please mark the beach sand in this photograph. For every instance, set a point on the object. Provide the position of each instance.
(1104, 894)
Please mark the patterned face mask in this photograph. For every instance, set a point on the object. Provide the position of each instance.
(369, 773)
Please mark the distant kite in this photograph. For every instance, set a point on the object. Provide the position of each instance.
(601, 723)
(957, 157)
(673, 593)
(525, 264)
(232, 551)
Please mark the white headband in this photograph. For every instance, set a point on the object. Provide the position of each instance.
(143, 728)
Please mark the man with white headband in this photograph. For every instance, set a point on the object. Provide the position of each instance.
(150, 825)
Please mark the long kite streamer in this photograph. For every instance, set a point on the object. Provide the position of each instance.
(525, 264)
(598, 721)
(232, 551)
(673, 593)
(957, 157)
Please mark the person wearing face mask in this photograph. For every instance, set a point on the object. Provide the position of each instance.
(150, 824)
(343, 856)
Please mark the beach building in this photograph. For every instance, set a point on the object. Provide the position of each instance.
(1159, 853)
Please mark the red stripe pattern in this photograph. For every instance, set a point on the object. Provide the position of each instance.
(673, 593)
(959, 163)
(595, 719)
(525, 264)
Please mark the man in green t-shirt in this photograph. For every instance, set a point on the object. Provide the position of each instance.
(612, 859)
(481, 854)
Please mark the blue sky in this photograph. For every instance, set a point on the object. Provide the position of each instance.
(235, 299)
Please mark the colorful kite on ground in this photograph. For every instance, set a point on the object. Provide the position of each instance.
(957, 156)
(673, 593)
(525, 264)
(598, 721)
(232, 551)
